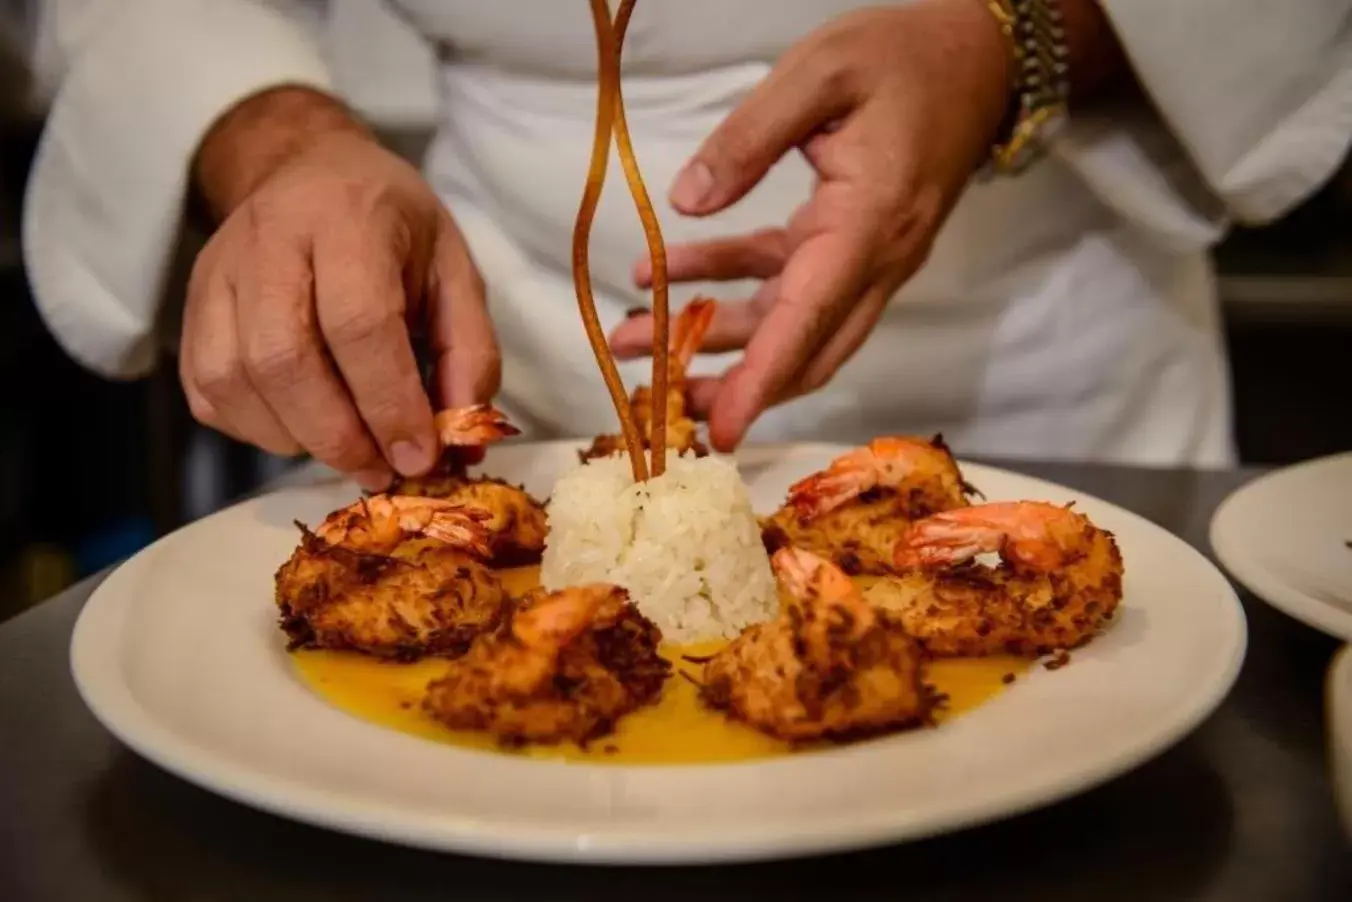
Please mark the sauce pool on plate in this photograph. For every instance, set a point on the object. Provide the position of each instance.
(678, 729)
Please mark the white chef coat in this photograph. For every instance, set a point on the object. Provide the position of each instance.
(1067, 313)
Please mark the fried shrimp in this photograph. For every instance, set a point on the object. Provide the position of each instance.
(682, 431)
(563, 665)
(854, 511)
(831, 665)
(464, 433)
(473, 426)
(1059, 579)
(390, 576)
(515, 521)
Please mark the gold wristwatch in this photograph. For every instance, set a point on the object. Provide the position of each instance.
(1040, 99)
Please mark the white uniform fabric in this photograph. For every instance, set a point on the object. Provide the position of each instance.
(1069, 313)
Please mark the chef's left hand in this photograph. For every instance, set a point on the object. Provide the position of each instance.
(895, 108)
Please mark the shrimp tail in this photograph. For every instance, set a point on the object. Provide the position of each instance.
(794, 568)
(691, 326)
(455, 524)
(805, 575)
(562, 616)
(935, 543)
(461, 528)
(848, 477)
(1032, 534)
(479, 424)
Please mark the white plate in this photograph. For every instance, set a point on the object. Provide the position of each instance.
(178, 654)
(1284, 537)
(1338, 699)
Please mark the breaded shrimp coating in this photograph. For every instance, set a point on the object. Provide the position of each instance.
(830, 666)
(853, 512)
(563, 665)
(1058, 581)
(392, 577)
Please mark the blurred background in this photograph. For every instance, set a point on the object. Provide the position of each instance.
(90, 471)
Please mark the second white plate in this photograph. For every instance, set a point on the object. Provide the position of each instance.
(1284, 536)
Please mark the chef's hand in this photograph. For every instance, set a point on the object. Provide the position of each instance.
(895, 108)
(296, 330)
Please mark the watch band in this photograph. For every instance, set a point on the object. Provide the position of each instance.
(1041, 91)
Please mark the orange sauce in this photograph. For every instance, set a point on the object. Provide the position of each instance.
(679, 729)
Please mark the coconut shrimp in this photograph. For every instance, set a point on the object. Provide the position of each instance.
(515, 521)
(687, 335)
(464, 432)
(1059, 579)
(854, 511)
(563, 665)
(831, 666)
(395, 577)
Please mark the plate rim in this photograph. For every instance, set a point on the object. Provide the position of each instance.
(1273, 592)
(223, 775)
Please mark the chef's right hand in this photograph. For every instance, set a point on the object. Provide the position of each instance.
(296, 328)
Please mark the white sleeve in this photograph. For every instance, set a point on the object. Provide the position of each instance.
(1257, 96)
(136, 85)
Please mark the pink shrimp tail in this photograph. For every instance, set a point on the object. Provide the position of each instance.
(561, 616)
(479, 424)
(460, 527)
(1018, 530)
(795, 568)
(691, 325)
(933, 542)
(847, 477)
(821, 493)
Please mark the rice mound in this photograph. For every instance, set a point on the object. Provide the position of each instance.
(685, 544)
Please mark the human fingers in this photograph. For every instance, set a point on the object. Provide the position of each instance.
(818, 289)
(758, 255)
(700, 394)
(891, 270)
(469, 360)
(287, 363)
(843, 343)
(808, 89)
(731, 328)
(211, 368)
(360, 302)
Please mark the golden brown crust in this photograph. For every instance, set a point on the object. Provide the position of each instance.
(859, 535)
(822, 671)
(960, 613)
(516, 525)
(421, 598)
(973, 609)
(522, 692)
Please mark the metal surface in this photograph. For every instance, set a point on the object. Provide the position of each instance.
(1241, 809)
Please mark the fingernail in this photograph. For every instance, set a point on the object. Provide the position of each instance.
(692, 186)
(374, 480)
(409, 458)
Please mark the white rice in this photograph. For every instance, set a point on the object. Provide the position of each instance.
(685, 544)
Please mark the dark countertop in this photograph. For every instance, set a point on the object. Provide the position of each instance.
(1240, 809)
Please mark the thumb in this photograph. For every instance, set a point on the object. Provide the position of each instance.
(468, 360)
(799, 96)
